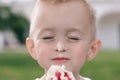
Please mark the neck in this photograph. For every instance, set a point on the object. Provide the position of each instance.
(78, 77)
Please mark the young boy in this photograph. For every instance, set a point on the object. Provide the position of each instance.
(62, 32)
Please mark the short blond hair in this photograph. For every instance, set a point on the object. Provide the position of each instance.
(90, 10)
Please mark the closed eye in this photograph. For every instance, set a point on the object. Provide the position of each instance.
(73, 38)
(45, 38)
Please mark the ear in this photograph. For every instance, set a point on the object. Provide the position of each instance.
(30, 47)
(94, 49)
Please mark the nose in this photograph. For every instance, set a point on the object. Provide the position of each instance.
(60, 47)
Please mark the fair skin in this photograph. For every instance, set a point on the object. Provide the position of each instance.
(62, 37)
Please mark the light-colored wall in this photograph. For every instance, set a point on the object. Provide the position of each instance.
(108, 23)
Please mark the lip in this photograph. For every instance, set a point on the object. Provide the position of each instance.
(60, 59)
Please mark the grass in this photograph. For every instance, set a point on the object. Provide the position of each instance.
(105, 66)
(20, 66)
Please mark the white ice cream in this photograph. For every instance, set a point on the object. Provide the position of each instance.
(61, 69)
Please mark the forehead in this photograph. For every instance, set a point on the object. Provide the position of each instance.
(69, 14)
(75, 11)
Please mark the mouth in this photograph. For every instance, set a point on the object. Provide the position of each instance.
(60, 60)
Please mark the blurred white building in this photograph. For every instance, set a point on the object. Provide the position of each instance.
(108, 18)
(24, 7)
(21, 6)
(108, 22)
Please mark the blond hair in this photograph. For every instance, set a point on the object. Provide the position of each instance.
(90, 10)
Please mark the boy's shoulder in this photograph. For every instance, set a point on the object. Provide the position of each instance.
(37, 79)
(85, 78)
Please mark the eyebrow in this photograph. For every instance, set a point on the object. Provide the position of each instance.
(75, 30)
(40, 31)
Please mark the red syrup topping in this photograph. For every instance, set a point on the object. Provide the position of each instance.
(58, 75)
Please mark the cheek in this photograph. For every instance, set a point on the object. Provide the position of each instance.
(80, 51)
(42, 54)
(42, 49)
(79, 54)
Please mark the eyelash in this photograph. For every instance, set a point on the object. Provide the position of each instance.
(50, 38)
(46, 38)
(73, 38)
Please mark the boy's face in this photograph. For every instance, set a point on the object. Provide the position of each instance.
(62, 36)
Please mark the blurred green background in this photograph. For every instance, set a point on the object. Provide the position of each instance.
(16, 65)
(14, 22)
